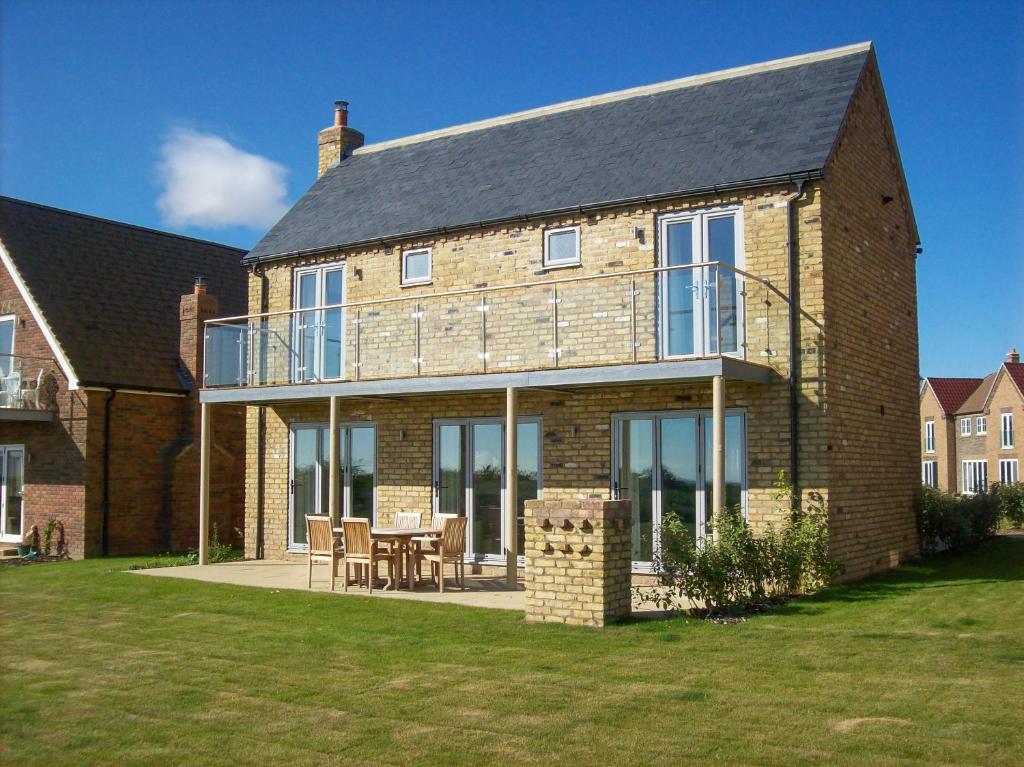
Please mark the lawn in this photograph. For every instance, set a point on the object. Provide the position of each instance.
(922, 667)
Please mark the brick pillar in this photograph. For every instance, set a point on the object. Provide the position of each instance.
(195, 308)
(578, 561)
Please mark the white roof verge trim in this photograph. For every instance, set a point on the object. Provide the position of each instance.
(37, 315)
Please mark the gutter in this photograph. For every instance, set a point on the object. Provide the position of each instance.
(788, 178)
(795, 356)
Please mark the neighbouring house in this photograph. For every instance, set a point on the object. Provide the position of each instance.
(675, 292)
(100, 348)
(968, 429)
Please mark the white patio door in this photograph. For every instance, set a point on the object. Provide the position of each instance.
(470, 476)
(12, 484)
(318, 334)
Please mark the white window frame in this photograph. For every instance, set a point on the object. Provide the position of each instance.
(406, 280)
(965, 427)
(14, 329)
(981, 425)
(4, 535)
(974, 476)
(1006, 431)
(298, 372)
(930, 473)
(548, 263)
(929, 436)
(1009, 471)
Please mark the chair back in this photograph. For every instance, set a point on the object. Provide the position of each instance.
(357, 536)
(438, 521)
(408, 520)
(320, 534)
(453, 536)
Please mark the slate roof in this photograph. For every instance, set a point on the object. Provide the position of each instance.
(773, 121)
(110, 292)
(953, 392)
(975, 402)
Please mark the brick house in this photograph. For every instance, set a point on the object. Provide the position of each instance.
(675, 292)
(100, 342)
(970, 440)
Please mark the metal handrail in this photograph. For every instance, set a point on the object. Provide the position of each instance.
(511, 286)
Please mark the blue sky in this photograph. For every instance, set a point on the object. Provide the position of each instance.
(109, 107)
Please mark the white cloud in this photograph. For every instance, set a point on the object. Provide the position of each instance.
(209, 183)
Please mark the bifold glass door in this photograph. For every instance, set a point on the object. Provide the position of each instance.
(661, 462)
(700, 307)
(318, 334)
(469, 478)
(310, 468)
(12, 483)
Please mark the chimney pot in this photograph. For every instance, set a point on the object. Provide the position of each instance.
(200, 286)
(1013, 355)
(340, 114)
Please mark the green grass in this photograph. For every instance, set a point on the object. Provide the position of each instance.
(922, 667)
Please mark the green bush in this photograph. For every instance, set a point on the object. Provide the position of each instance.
(733, 569)
(955, 522)
(1010, 502)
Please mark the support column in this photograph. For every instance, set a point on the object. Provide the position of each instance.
(511, 486)
(717, 446)
(334, 468)
(205, 437)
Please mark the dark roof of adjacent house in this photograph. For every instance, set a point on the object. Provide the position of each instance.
(110, 292)
(975, 402)
(1016, 372)
(953, 392)
(732, 129)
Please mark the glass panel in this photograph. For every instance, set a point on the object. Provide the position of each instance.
(324, 461)
(722, 247)
(334, 325)
(14, 482)
(562, 247)
(679, 470)
(363, 470)
(227, 352)
(735, 460)
(305, 342)
(528, 471)
(487, 463)
(451, 494)
(304, 479)
(681, 290)
(417, 266)
(6, 345)
(635, 477)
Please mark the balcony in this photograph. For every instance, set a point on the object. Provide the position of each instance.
(684, 317)
(25, 390)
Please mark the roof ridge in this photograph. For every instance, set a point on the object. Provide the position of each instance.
(114, 222)
(620, 95)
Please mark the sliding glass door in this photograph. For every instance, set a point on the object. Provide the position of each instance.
(12, 483)
(318, 335)
(661, 462)
(470, 476)
(310, 482)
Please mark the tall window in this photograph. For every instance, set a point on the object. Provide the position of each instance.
(929, 436)
(975, 477)
(318, 333)
(981, 425)
(1009, 470)
(965, 427)
(930, 473)
(1006, 430)
(6, 344)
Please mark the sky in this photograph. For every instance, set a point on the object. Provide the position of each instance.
(201, 117)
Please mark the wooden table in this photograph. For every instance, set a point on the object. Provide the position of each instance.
(402, 538)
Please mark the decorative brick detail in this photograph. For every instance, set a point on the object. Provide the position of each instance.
(578, 561)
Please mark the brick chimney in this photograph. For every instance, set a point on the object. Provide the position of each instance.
(194, 309)
(1013, 355)
(338, 141)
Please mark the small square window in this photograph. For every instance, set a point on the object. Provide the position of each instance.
(416, 266)
(562, 246)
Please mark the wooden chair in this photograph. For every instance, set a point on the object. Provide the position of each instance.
(322, 547)
(451, 548)
(360, 549)
(408, 520)
(429, 542)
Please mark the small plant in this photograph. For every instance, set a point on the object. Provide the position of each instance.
(54, 525)
(219, 552)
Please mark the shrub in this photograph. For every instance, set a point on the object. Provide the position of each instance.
(1010, 502)
(955, 522)
(219, 552)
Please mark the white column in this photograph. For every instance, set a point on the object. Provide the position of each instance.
(511, 482)
(717, 446)
(334, 468)
(205, 436)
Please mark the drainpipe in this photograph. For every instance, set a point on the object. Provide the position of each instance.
(261, 429)
(794, 344)
(105, 519)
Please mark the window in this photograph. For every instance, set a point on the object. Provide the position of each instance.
(981, 425)
(930, 473)
(12, 482)
(965, 427)
(6, 344)
(1009, 471)
(562, 246)
(975, 475)
(929, 436)
(1006, 430)
(318, 333)
(416, 266)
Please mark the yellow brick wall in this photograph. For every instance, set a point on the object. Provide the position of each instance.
(1005, 398)
(945, 441)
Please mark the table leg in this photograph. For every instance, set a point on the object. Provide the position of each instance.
(410, 562)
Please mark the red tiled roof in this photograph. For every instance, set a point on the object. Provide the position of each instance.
(1016, 371)
(953, 392)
